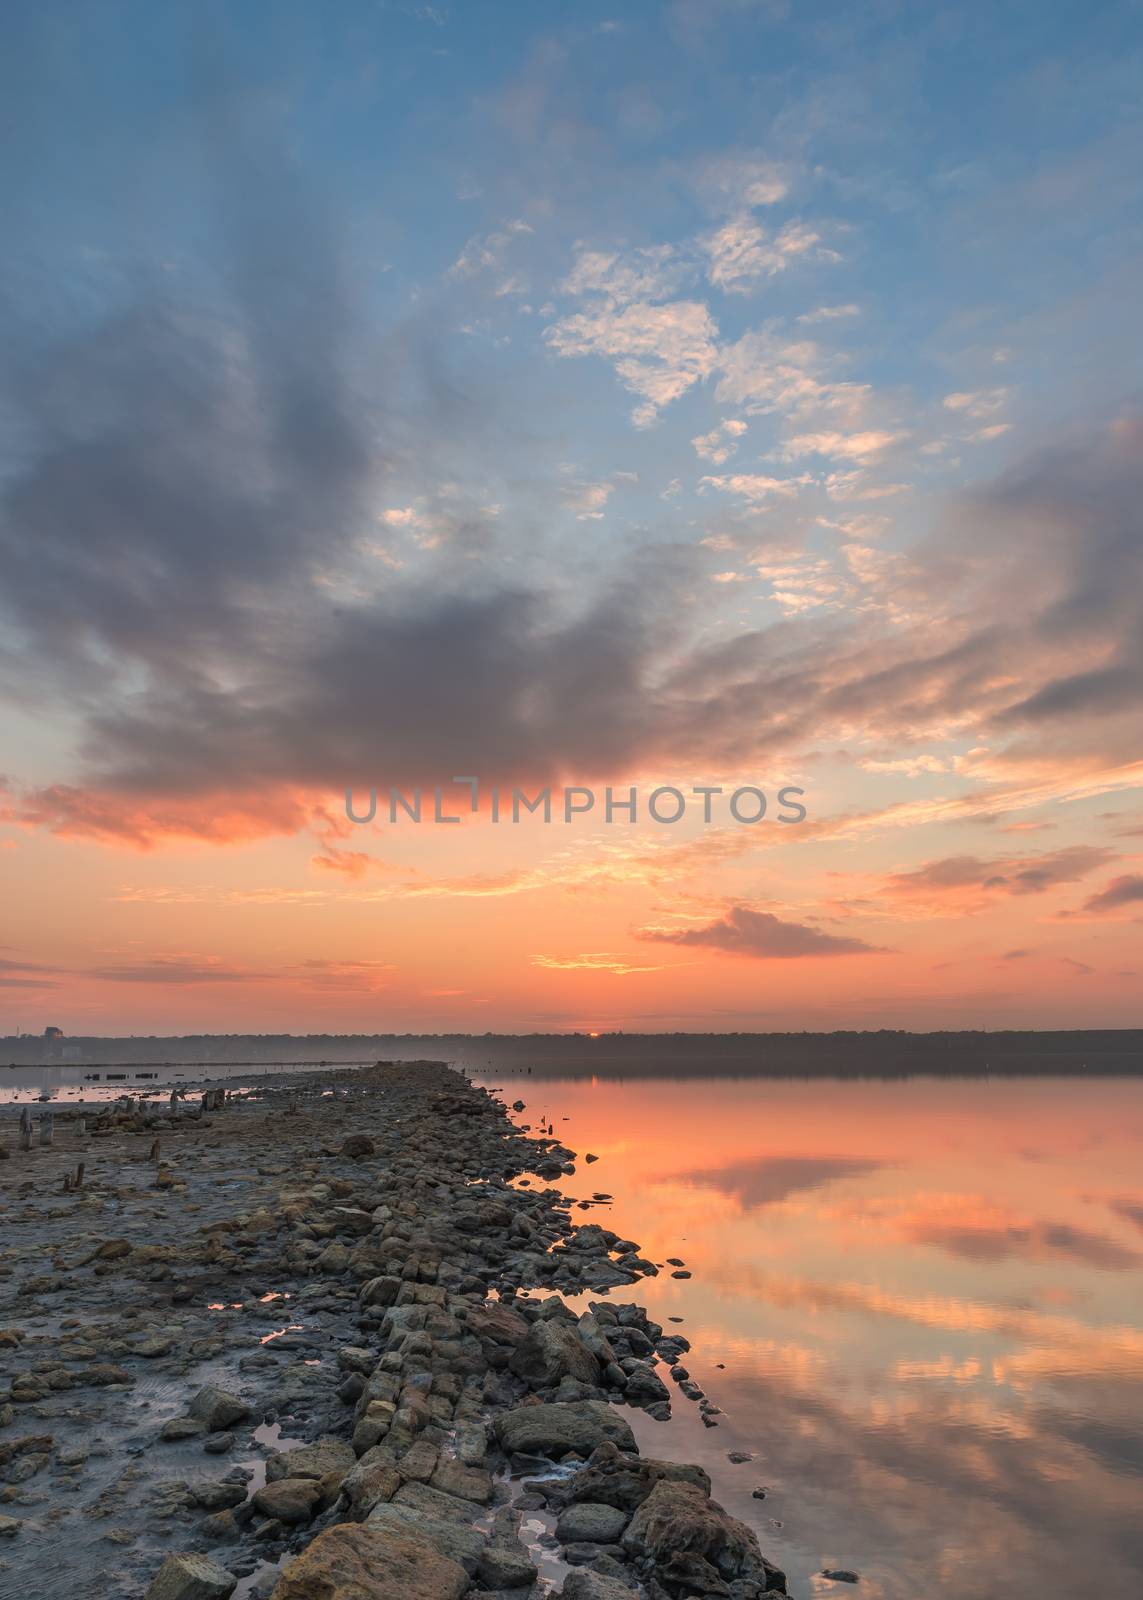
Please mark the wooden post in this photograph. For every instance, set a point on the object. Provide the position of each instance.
(80, 1127)
(25, 1129)
(47, 1128)
(77, 1181)
(154, 1156)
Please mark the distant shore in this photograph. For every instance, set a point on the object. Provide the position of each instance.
(883, 1053)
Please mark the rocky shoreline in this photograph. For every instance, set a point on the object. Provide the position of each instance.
(334, 1339)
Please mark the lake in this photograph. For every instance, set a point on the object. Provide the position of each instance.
(926, 1297)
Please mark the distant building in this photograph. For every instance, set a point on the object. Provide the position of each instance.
(53, 1033)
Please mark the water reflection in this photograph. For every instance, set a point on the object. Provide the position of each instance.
(771, 1178)
(928, 1297)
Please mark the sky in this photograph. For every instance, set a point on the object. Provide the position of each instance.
(713, 394)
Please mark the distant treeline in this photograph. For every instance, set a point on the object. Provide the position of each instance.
(886, 1053)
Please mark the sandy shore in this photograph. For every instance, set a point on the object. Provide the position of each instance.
(336, 1339)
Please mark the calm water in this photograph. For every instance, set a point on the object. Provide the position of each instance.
(928, 1296)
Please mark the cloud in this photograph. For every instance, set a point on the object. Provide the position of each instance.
(596, 961)
(742, 253)
(756, 487)
(721, 442)
(762, 936)
(177, 970)
(982, 403)
(863, 447)
(1120, 892)
(830, 313)
(658, 351)
(950, 876)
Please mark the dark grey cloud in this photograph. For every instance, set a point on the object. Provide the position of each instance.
(195, 474)
(1015, 875)
(1124, 891)
(761, 935)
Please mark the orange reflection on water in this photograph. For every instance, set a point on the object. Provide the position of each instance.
(928, 1300)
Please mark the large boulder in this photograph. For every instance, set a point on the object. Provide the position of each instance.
(583, 1584)
(497, 1323)
(216, 1409)
(587, 1522)
(678, 1519)
(289, 1499)
(460, 1544)
(328, 1459)
(371, 1481)
(553, 1350)
(354, 1561)
(192, 1577)
(555, 1430)
(626, 1481)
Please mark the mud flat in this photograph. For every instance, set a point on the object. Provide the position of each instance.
(335, 1338)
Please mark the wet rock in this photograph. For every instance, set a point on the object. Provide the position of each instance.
(192, 1577)
(590, 1522)
(551, 1351)
(9, 1527)
(217, 1410)
(218, 1496)
(418, 1463)
(557, 1429)
(459, 1544)
(464, 1483)
(289, 1500)
(506, 1567)
(374, 1479)
(841, 1575)
(181, 1428)
(329, 1459)
(625, 1481)
(364, 1562)
(586, 1585)
(357, 1146)
(680, 1517)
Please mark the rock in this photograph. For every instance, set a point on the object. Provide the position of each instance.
(217, 1410)
(626, 1481)
(370, 1482)
(218, 1496)
(465, 1483)
(289, 1499)
(498, 1323)
(329, 1459)
(680, 1517)
(554, 1430)
(586, 1585)
(181, 1428)
(359, 1561)
(104, 1373)
(353, 1358)
(551, 1351)
(419, 1462)
(452, 1540)
(644, 1386)
(9, 1527)
(357, 1146)
(218, 1444)
(192, 1577)
(841, 1575)
(380, 1292)
(590, 1522)
(506, 1567)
